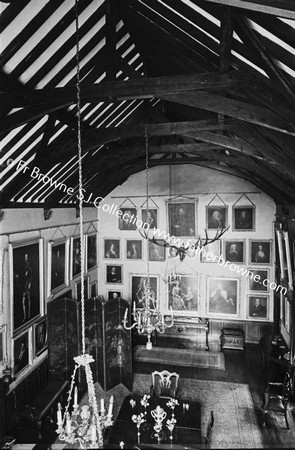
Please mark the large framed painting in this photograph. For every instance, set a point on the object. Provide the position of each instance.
(128, 219)
(76, 256)
(182, 218)
(234, 250)
(21, 346)
(26, 282)
(223, 297)
(183, 293)
(58, 265)
(78, 289)
(3, 345)
(150, 218)
(260, 251)
(211, 252)
(138, 290)
(40, 336)
(243, 218)
(157, 252)
(258, 307)
(114, 273)
(91, 251)
(258, 280)
(216, 217)
(112, 248)
(133, 249)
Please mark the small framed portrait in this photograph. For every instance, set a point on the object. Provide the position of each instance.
(150, 217)
(78, 289)
(173, 252)
(234, 251)
(3, 345)
(26, 282)
(112, 248)
(128, 219)
(134, 249)
(40, 337)
(138, 290)
(21, 352)
(91, 251)
(76, 256)
(182, 218)
(258, 307)
(223, 296)
(244, 218)
(210, 253)
(58, 265)
(114, 273)
(258, 280)
(183, 294)
(93, 289)
(260, 251)
(157, 252)
(216, 217)
(114, 295)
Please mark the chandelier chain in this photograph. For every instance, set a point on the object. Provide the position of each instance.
(147, 207)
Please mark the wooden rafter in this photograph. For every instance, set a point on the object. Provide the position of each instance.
(281, 8)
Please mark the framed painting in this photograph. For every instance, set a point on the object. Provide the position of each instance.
(3, 345)
(112, 248)
(182, 218)
(114, 295)
(93, 289)
(216, 217)
(288, 258)
(40, 336)
(133, 249)
(223, 297)
(282, 255)
(260, 251)
(78, 289)
(58, 265)
(21, 352)
(91, 251)
(258, 280)
(183, 293)
(234, 250)
(114, 273)
(258, 307)
(128, 219)
(26, 282)
(211, 252)
(243, 218)
(76, 256)
(138, 290)
(157, 252)
(150, 217)
(282, 308)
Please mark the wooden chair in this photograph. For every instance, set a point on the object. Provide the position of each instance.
(164, 384)
(277, 397)
(209, 430)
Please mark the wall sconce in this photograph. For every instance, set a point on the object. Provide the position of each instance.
(47, 213)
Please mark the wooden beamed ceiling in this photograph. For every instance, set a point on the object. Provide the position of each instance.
(204, 83)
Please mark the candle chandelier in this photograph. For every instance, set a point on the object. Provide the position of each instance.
(147, 319)
(83, 427)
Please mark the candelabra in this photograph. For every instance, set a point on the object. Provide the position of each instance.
(145, 402)
(158, 414)
(138, 419)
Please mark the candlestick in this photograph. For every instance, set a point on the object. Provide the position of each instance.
(75, 397)
(111, 404)
(68, 424)
(102, 405)
(125, 315)
(59, 415)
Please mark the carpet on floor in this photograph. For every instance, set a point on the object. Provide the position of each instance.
(180, 357)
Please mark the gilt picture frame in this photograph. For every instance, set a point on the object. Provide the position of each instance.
(22, 352)
(137, 288)
(91, 251)
(183, 294)
(223, 297)
(182, 218)
(258, 307)
(40, 336)
(58, 265)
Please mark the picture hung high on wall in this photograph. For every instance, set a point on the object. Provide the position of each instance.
(78, 289)
(26, 282)
(258, 307)
(150, 217)
(76, 256)
(156, 252)
(183, 293)
(58, 265)
(128, 219)
(210, 253)
(114, 274)
(112, 249)
(138, 290)
(133, 249)
(282, 255)
(40, 336)
(222, 296)
(114, 295)
(260, 251)
(216, 217)
(244, 218)
(234, 251)
(288, 258)
(21, 352)
(91, 251)
(258, 280)
(182, 218)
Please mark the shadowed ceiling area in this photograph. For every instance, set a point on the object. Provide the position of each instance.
(206, 82)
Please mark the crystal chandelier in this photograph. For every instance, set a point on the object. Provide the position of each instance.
(147, 319)
(83, 426)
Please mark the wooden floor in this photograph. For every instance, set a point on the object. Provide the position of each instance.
(242, 367)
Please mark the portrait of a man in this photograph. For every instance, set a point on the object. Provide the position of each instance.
(139, 291)
(91, 251)
(150, 217)
(258, 280)
(21, 352)
(216, 217)
(40, 337)
(76, 255)
(128, 219)
(235, 251)
(260, 251)
(113, 274)
(243, 218)
(58, 254)
(115, 295)
(258, 306)
(181, 219)
(223, 296)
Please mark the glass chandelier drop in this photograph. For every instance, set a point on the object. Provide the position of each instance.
(146, 319)
(83, 427)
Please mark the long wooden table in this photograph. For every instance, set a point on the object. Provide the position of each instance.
(187, 431)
